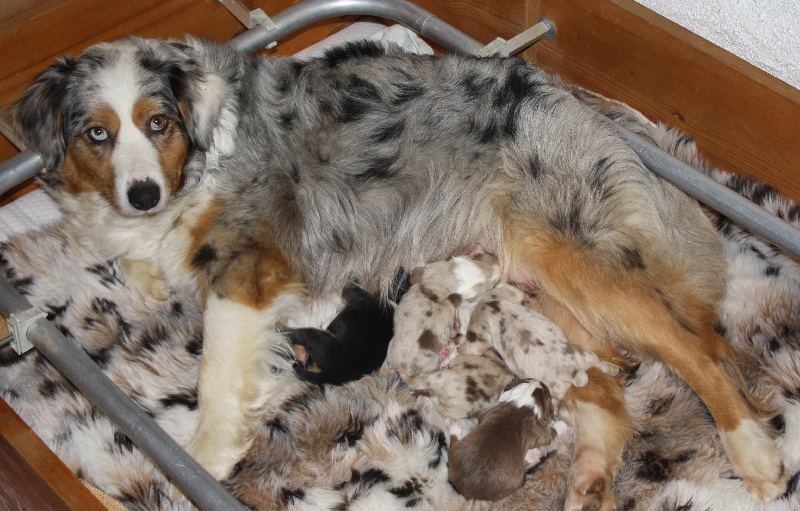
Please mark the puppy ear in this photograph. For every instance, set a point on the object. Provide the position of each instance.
(477, 251)
(416, 275)
(38, 114)
(542, 397)
(200, 94)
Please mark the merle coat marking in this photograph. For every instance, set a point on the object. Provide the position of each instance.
(260, 182)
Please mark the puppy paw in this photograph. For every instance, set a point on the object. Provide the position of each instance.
(562, 428)
(757, 460)
(455, 429)
(447, 354)
(580, 379)
(609, 369)
(590, 494)
(533, 456)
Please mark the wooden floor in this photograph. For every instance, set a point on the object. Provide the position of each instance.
(33, 477)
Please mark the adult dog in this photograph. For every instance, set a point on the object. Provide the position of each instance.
(264, 184)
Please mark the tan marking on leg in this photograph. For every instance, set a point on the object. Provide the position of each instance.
(198, 233)
(602, 430)
(657, 313)
(244, 298)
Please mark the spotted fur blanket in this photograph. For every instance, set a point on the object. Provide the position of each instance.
(370, 445)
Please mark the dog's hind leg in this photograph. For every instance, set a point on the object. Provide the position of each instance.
(602, 429)
(598, 416)
(650, 310)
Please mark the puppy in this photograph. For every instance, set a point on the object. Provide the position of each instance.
(263, 199)
(428, 315)
(468, 386)
(489, 463)
(353, 345)
(530, 344)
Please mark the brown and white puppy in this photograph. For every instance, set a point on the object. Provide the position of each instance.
(468, 386)
(441, 295)
(264, 185)
(530, 344)
(489, 463)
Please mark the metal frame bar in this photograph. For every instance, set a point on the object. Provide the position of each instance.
(304, 13)
(195, 482)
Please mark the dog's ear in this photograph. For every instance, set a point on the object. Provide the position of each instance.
(38, 114)
(200, 94)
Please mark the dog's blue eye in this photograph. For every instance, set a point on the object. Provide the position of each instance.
(158, 122)
(97, 134)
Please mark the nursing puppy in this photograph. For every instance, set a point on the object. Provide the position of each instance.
(467, 387)
(506, 319)
(489, 463)
(439, 299)
(265, 185)
(353, 345)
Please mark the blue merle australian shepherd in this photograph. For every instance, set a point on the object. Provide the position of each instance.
(266, 184)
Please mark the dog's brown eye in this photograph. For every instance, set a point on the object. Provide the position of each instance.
(158, 123)
(97, 134)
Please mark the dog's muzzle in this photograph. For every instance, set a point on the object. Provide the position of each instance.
(144, 195)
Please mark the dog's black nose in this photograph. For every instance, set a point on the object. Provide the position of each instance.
(144, 195)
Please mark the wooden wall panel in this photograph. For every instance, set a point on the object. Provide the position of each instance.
(33, 477)
(482, 20)
(743, 119)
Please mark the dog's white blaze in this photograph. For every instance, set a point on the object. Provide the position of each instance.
(134, 158)
(522, 395)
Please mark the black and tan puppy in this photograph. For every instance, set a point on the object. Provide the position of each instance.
(489, 463)
(352, 346)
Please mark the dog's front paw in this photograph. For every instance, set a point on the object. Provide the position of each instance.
(218, 458)
(757, 460)
(145, 278)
